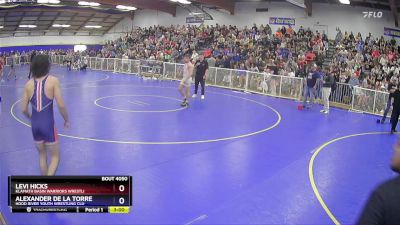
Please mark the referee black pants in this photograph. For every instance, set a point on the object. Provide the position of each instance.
(388, 104)
(198, 80)
(395, 117)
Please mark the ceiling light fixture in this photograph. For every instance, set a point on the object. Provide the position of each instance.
(61, 25)
(48, 1)
(93, 26)
(346, 2)
(126, 8)
(27, 26)
(84, 3)
(185, 2)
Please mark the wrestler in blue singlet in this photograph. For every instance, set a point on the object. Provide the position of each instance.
(42, 119)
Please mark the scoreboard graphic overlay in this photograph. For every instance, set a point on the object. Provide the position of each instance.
(70, 194)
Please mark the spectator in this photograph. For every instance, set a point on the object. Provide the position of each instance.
(326, 90)
(310, 88)
(211, 61)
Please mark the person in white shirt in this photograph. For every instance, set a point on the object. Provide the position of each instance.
(359, 57)
(383, 61)
(386, 69)
(195, 56)
(283, 44)
(396, 70)
(254, 68)
(343, 52)
(375, 70)
(264, 84)
(272, 83)
(12, 67)
(211, 61)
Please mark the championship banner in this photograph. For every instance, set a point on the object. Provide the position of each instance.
(391, 32)
(282, 21)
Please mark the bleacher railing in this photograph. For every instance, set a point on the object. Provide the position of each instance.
(345, 96)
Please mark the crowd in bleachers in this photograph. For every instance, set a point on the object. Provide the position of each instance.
(368, 62)
(251, 48)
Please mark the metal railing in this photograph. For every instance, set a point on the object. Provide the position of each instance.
(345, 96)
(25, 59)
(369, 101)
(342, 96)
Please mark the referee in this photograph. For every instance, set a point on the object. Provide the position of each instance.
(396, 110)
(201, 75)
(31, 60)
(391, 88)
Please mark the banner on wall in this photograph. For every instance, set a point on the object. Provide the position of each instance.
(391, 32)
(194, 19)
(282, 21)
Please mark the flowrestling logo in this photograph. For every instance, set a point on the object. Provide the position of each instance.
(373, 14)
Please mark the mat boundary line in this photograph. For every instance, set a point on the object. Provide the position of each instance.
(2, 220)
(276, 112)
(311, 171)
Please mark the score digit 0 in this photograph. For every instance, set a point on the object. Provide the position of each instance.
(121, 188)
(121, 201)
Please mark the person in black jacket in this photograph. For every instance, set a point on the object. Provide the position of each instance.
(383, 206)
(201, 76)
(391, 88)
(396, 110)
